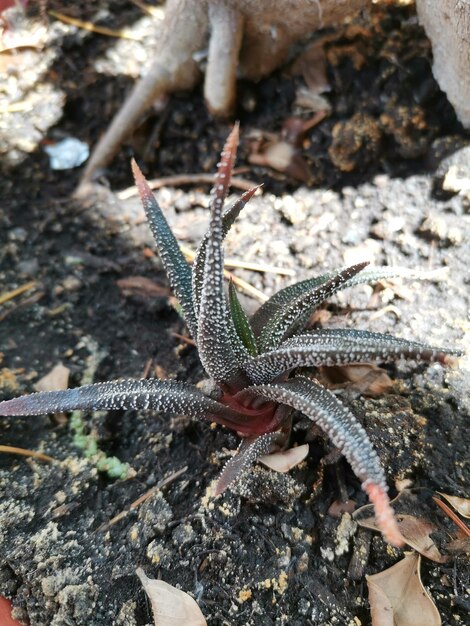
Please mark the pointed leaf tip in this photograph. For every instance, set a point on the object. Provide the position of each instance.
(240, 464)
(289, 319)
(174, 262)
(224, 169)
(228, 219)
(146, 194)
(220, 348)
(137, 173)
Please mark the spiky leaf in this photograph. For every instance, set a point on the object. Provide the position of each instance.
(368, 275)
(241, 322)
(247, 453)
(340, 347)
(321, 406)
(160, 395)
(219, 356)
(176, 266)
(295, 315)
(228, 219)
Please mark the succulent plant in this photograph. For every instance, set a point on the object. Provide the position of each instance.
(257, 367)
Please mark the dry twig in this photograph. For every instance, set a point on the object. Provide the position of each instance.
(9, 295)
(448, 511)
(92, 28)
(148, 494)
(185, 179)
(26, 452)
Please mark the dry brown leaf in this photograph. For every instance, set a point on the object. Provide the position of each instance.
(283, 151)
(416, 532)
(338, 507)
(56, 380)
(284, 157)
(171, 606)
(397, 596)
(311, 65)
(461, 505)
(417, 535)
(369, 379)
(459, 546)
(285, 460)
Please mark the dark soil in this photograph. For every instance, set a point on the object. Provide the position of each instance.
(275, 555)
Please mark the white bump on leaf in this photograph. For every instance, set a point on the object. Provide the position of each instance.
(285, 460)
(171, 606)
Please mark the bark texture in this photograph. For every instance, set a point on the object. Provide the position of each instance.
(447, 24)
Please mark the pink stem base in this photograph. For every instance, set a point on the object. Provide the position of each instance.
(384, 514)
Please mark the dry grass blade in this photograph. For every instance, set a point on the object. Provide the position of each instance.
(141, 286)
(26, 452)
(16, 107)
(397, 596)
(184, 339)
(9, 295)
(149, 9)
(448, 511)
(243, 284)
(259, 267)
(92, 28)
(32, 299)
(244, 265)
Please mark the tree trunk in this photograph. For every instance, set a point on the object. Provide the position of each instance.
(447, 24)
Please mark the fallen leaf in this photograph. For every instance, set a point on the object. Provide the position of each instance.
(461, 505)
(283, 151)
(397, 596)
(459, 546)
(416, 532)
(369, 379)
(285, 460)
(311, 65)
(338, 507)
(55, 380)
(171, 606)
(284, 157)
